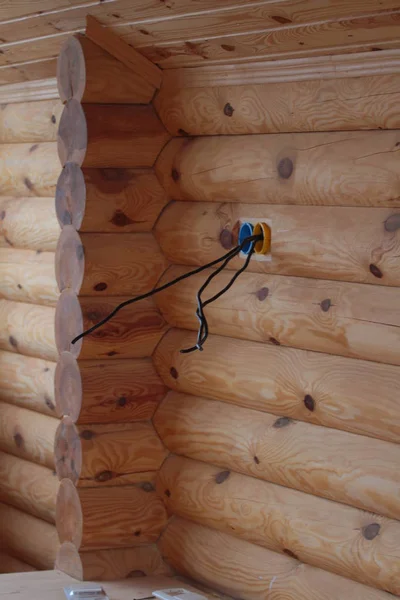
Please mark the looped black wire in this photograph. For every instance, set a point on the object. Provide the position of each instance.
(203, 322)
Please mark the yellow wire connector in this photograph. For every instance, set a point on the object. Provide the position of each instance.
(264, 245)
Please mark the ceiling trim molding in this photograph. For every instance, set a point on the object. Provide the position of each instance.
(29, 91)
(382, 62)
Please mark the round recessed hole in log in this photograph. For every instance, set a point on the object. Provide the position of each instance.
(70, 260)
(69, 518)
(68, 323)
(72, 134)
(68, 451)
(68, 386)
(71, 71)
(71, 196)
(68, 561)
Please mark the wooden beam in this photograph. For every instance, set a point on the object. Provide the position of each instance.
(240, 568)
(334, 169)
(27, 435)
(283, 451)
(108, 565)
(354, 320)
(28, 276)
(90, 455)
(26, 72)
(29, 169)
(29, 223)
(107, 39)
(109, 264)
(28, 329)
(29, 487)
(121, 517)
(102, 135)
(109, 200)
(100, 391)
(29, 91)
(28, 538)
(31, 121)
(27, 382)
(279, 519)
(88, 73)
(348, 244)
(333, 105)
(132, 333)
(10, 564)
(308, 386)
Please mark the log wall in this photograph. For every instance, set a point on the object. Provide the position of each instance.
(284, 430)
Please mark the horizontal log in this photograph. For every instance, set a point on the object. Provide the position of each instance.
(27, 382)
(29, 223)
(105, 135)
(349, 169)
(30, 121)
(29, 487)
(308, 386)
(108, 200)
(324, 105)
(97, 454)
(28, 276)
(107, 565)
(28, 329)
(108, 263)
(27, 435)
(29, 169)
(117, 391)
(355, 320)
(133, 333)
(88, 73)
(349, 244)
(245, 570)
(209, 496)
(119, 517)
(28, 538)
(283, 451)
(10, 564)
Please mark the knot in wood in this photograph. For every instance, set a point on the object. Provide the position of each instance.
(392, 223)
(174, 373)
(262, 293)
(87, 434)
(282, 422)
(226, 239)
(371, 531)
(285, 168)
(228, 110)
(222, 476)
(326, 304)
(309, 402)
(376, 272)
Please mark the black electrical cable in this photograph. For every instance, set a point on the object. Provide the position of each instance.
(226, 257)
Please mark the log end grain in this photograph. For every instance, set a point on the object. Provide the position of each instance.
(72, 134)
(68, 323)
(69, 518)
(70, 260)
(68, 386)
(68, 561)
(71, 70)
(71, 196)
(68, 451)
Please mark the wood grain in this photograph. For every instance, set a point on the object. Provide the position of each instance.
(107, 565)
(29, 487)
(98, 135)
(240, 568)
(333, 169)
(284, 520)
(29, 91)
(28, 276)
(27, 435)
(325, 462)
(109, 200)
(133, 333)
(27, 382)
(332, 105)
(87, 72)
(30, 122)
(308, 386)
(348, 244)
(109, 264)
(27, 72)
(10, 564)
(28, 538)
(29, 223)
(119, 517)
(115, 391)
(90, 455)
(29, 169)
(348, 319)
(28, 329)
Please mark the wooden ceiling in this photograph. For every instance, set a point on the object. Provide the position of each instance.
(189, 33)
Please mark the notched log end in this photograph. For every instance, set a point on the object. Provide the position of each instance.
(68, 451)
